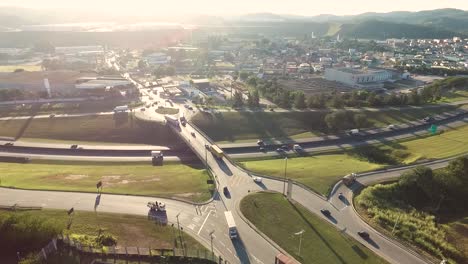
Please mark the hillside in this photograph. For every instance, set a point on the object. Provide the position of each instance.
(377, 29)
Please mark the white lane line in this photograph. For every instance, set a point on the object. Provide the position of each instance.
(224, 245)
(229, 250)
(256, 259)
(206, 218)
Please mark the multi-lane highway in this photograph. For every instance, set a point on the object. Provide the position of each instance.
(202, 220)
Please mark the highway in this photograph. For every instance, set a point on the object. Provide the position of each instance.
(201, 220)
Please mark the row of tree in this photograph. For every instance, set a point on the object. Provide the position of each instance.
(442, 191)
(253, 99)
(271, 90)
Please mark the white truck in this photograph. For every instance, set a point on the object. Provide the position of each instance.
(231, 224)
(121, 109)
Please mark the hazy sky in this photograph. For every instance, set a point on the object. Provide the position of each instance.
(219, 7)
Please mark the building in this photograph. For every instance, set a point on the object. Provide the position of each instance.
(157, 58)
(358, 78)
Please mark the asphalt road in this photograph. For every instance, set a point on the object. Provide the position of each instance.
(200, 221)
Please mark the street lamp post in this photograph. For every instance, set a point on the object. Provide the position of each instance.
(285, 168)
(300, 239)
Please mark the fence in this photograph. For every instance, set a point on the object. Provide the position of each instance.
(71, 247)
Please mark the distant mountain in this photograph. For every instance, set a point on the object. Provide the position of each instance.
(377, 29)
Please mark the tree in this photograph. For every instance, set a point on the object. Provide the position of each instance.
(142, 64)
(252, 81)
(238, 100)
(253, 99)
(337, 120)
(299, 100)
(360, 120)
(243, 75)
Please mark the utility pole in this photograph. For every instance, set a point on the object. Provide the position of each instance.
(178, 224)
(396, 223)
(211, 237)
(285, 168)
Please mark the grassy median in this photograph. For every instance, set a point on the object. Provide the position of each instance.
(171, 180)
(322, 243)
(228, 127)
(320, 172)
(96, 128)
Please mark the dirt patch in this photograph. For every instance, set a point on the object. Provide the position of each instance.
(76, 177)
(131, 235)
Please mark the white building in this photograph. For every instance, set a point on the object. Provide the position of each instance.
(157, 58)
(358, 78)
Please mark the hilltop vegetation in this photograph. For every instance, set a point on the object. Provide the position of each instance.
(422, 207)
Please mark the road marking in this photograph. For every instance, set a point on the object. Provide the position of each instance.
(256, 259)
(191, 226)
(196, 219)
(222, 243)
(230, 251)
(206, 218)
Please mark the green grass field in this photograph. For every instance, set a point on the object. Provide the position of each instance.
(171, 180)
(321, 171)
(167, 111)
(104, 128)
(227, 127)
(12, 68)
(130, 230)
(457, 95)
(318, 172)
(322, 243)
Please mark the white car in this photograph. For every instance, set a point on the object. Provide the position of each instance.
(257, 179)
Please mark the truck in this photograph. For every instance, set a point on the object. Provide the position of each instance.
(232, 228)
(183, 121)
(349, 179)
(157, 157)
(172, 120)
(121, 109)
(353, 132)
(216, 151)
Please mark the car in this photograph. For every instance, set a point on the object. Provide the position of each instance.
(340, 196)
(52, 115)
(285, 147)
(225, 190)
(297, 147)
(363, 234)
(272, 110)
(280, 150)
(142, 109)
(257, 179)
(74, 146)
(428, 119)
(8, 144)
(391, 127)
(325, 212)
(186, 106)
(192, 133)
(207, 146)
(260, 142)
(190, 108)
(262, 149)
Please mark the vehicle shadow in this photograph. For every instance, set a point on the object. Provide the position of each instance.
(262, 185)
(222, 165)
(372, 243)
(332, 219)
(241, 251)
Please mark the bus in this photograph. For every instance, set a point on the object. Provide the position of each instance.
(232, 228)
(216, 151)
